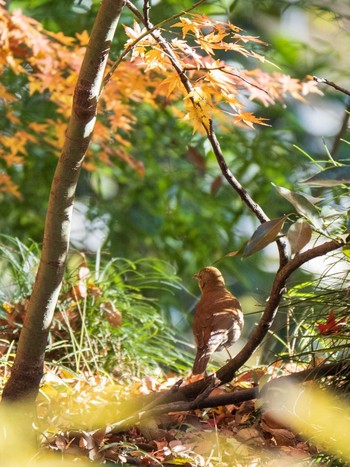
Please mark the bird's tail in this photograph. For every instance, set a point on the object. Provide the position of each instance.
(200, 362)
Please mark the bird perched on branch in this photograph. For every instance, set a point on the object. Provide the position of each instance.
(218, 320)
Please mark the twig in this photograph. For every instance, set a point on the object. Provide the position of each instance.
(333, 85)
(270, 312)
(224, 70)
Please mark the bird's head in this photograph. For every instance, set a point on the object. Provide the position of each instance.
(209, 276)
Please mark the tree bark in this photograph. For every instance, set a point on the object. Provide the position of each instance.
(28, 367)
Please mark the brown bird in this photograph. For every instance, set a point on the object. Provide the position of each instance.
(218, 320)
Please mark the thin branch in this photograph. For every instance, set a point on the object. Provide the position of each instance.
(235, 184)
(331, 84)
(227, 372)
(224, 70)
(235, 397)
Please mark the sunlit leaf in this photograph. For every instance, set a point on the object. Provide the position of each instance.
(330, 177)
(299, 235)
(302, 205)
(264, 234)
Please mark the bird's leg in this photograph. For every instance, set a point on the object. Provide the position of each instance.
(229, 355)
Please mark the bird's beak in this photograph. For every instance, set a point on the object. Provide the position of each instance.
(195, 276)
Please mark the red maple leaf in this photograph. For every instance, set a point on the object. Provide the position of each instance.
(332, 326)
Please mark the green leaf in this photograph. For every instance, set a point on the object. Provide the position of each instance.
(299, 235)
(302, 205)
(264, 234)
(330, 177)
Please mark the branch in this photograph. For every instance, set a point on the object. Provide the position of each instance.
(227, 372)
(235, 184)
(331, 84)
(234, 397)
(146, 10)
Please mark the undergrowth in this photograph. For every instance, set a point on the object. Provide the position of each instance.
(107, 317)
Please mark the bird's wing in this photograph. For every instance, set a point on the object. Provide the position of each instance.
(226, 323)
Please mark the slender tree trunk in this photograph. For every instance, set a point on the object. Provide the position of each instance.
(28, 367)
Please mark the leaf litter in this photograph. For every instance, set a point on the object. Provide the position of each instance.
(236, 434)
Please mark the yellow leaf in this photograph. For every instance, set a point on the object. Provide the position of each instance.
(155, 59)
(249, 119)
(171, 84)
(83, 38)
(133, 33)
(187, 26)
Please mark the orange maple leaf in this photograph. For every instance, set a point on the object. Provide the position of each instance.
(249, 119)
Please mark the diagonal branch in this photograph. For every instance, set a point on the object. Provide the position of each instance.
(227, 372)
(235, 184)
(271, 309)
(189, 393)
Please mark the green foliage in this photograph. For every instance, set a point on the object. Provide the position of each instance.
(109, 319)
(318, 319)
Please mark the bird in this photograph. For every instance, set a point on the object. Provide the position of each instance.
(218, 319)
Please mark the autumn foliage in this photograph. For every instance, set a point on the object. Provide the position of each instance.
(47, 65)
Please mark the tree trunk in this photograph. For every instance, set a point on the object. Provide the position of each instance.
(28, 367)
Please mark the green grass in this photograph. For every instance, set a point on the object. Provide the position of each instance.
(85, 335)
